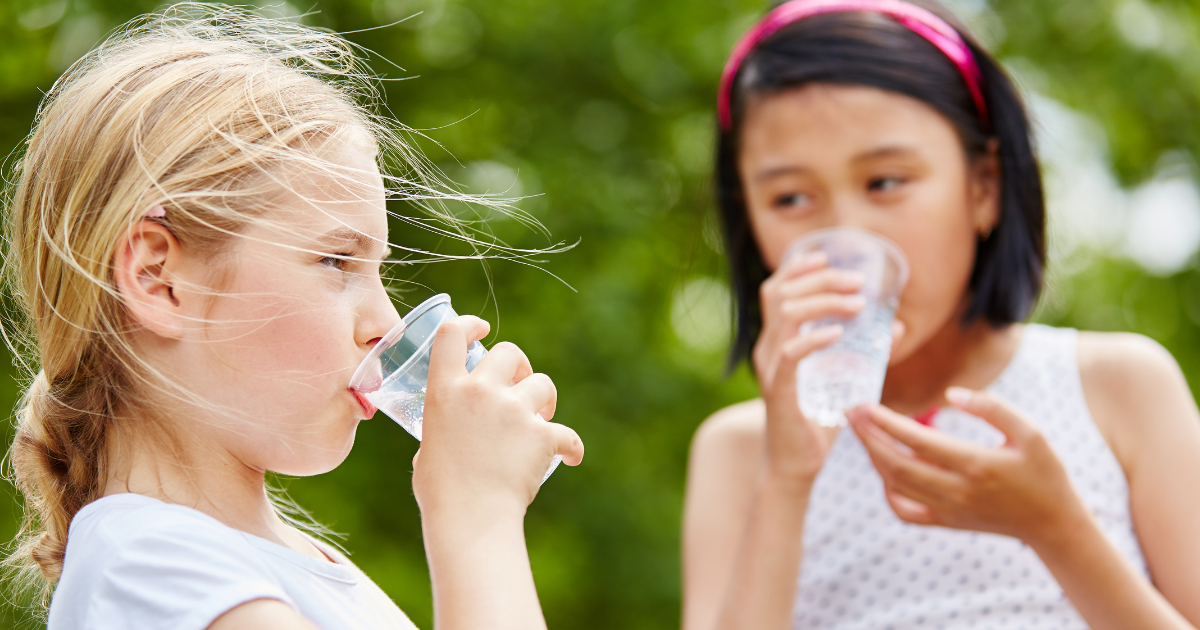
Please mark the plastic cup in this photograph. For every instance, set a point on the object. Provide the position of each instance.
(394, 375)
(850, 372)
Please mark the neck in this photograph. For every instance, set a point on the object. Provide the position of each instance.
(966, 356)
(188, 470)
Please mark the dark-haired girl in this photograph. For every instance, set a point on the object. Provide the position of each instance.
(1016, 475)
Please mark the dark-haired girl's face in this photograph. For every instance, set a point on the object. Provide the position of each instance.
(824, 156)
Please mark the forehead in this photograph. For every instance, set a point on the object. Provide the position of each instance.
(338, 190)
(827, 122)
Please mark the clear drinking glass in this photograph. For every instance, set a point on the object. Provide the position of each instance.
(850, 372)
(394, 374)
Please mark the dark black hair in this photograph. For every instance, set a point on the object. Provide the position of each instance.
(870, 49)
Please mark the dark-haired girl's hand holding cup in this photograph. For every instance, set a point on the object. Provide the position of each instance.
(804, 289)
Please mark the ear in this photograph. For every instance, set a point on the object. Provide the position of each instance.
(984, 189)
(145, 259)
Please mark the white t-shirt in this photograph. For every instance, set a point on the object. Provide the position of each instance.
(134, 563)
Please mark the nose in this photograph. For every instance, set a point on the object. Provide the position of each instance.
(850, 213)
(377, 315)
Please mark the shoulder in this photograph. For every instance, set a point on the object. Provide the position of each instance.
(128, 528)
(739, 428)
(1114, 358)
(1127, 371)
(1134, 389)
(728, 446)
(137, 562)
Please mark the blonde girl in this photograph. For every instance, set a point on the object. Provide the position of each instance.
(196, 236)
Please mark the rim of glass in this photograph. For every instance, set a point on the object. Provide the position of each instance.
(892, 250)
(395, 333)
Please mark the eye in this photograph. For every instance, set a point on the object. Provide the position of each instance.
(885, 184)
(337, 261)
(792, 200)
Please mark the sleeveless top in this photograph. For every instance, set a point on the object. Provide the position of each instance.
(864, 568)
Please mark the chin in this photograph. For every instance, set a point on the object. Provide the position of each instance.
(309, 461)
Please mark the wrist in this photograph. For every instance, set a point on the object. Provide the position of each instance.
(788, 484)
(447, 505)
(1070, 527)
(453, 528)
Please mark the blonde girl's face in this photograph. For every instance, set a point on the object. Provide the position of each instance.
(825, 156)
(300, 304)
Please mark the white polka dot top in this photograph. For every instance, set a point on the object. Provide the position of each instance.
(864, 568)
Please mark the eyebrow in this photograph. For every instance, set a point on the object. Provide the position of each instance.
(873, 154)
(349, 235)
(883, 152)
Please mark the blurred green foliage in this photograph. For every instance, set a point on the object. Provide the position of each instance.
(603, 108)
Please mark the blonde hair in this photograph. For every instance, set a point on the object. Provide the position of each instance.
(198, 108)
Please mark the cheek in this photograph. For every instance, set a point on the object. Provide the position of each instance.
(286, 354)
(941, 254)
(773, 232)
(291, 379)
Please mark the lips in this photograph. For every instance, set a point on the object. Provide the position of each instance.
(368, 408)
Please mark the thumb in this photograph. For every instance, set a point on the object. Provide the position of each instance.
(994, 411)
(794, 350)
(898, 331)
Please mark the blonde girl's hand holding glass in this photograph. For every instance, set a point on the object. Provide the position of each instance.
(487, 442)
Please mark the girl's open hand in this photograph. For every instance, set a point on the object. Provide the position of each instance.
(802, 290)
(1018, 489)
(484, 442)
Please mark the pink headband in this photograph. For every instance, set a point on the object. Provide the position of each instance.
(920, 21)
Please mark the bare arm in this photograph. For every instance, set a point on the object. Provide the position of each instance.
(753, 465)
(739, 550)
(262, 614)
(1142, 404)
(480, 568)
(480, 465)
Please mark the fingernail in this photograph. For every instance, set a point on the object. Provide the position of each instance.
(815, 259)
(854, 301)
(959, 396)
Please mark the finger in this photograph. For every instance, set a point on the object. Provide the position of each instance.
(919, 480)
(505, 363)
(809, 308)
(911, 510)
(567, 444)
(994, 411)
(899, 329)
(448, 356)
(798, 312)
(825, 280)
(769, 294)
(929, 444)
(796, 349)
(800, 264)
(538, 393)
